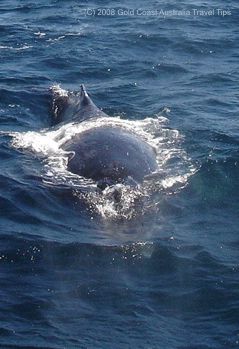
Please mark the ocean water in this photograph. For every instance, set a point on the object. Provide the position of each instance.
(160, 270)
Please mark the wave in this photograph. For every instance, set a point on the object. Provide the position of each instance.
(20, 48)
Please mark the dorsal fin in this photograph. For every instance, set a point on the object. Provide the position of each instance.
(83, 90)
(84, 97)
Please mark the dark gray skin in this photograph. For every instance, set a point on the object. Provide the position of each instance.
(106, 154)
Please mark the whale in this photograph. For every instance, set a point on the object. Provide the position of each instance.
(106, 154)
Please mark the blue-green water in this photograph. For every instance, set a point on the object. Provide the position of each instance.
(168, 278)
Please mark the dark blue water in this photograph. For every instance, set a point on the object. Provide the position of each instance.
(168, 278)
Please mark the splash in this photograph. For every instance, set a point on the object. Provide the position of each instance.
(174, 166)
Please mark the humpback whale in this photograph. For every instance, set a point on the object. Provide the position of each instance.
(106, 154)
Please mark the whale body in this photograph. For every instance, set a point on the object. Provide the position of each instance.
(106, 154)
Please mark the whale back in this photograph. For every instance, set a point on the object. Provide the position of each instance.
(110, 154)
(74, 106)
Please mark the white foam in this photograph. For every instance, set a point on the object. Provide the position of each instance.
(24, 47)
(59, 91)
(40, 34)
(173, 163)
(56, 39)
